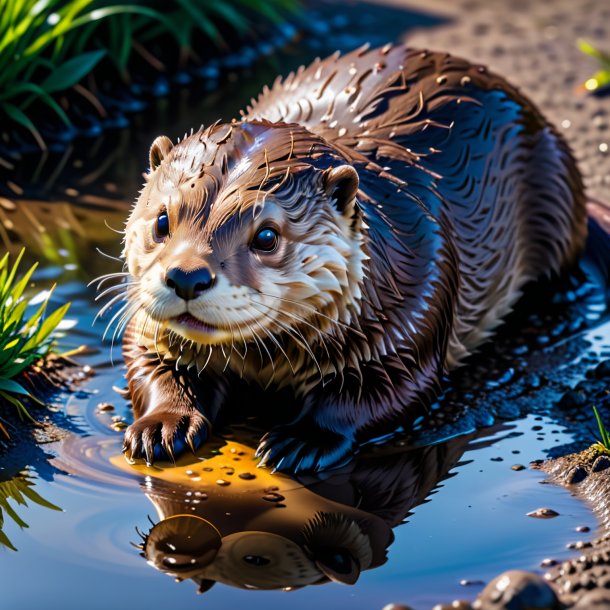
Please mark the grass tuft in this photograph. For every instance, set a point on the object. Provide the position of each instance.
(22, 341)
(602, 446)
(48, 47)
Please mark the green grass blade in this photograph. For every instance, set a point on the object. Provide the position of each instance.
(21, 118)
(8, 385)
(72, 71)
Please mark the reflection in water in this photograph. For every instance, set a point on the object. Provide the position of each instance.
(223, 520)
(16, 492)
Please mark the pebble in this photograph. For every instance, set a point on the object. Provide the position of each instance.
(273, 497)
(517, 467)
(118, 426)
(223, 483)
(583, 528)
(601, 463)
(247, 476)
(543, 513)
(576, 475)
(458, 604)
(105, 406)
(548, 563)
(396, 607)
(517, 590)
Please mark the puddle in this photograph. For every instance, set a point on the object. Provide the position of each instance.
(465, 507)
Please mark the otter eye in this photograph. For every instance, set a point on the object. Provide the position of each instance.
(266, 239)
(256, 560)
(162, 226)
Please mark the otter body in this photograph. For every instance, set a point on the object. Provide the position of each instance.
(362, 229)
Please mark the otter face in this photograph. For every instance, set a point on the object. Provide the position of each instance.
(233, 240)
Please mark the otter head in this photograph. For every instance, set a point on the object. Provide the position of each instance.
(244, 232)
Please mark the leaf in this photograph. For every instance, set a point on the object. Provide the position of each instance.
(72, 71)
(8, 385)
(5, 541)
(36, 497)
(47, 327)
(21, 118)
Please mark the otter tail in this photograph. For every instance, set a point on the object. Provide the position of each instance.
(596, 259)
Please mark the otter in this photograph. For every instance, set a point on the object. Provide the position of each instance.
(363, 228)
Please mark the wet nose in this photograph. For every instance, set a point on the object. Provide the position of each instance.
(189, 284)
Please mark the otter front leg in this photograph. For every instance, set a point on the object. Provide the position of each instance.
(319, 440)
(168, 418)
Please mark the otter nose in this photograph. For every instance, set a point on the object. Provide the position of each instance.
(189, 284)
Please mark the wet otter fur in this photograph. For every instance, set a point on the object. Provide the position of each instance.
(359, 232)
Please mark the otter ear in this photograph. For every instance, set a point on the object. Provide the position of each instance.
(158, 151)
(341, 184)
(204, 585)
(339, 565)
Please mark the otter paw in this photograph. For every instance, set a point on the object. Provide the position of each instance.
(163, 435)
(293, 451)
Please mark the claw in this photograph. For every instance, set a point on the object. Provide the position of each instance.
(263, 461)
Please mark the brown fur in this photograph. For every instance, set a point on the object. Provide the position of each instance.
(414, 194)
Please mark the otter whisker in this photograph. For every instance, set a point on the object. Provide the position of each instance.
(123, 287)
(290, 333)
(258, 342)
(114, 258)
(107, 276)
(199, 371)
(313, 310)
(302, 320)
(276, 342)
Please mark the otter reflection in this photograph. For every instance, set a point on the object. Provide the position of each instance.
(223, 520)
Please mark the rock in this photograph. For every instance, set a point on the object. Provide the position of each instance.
(601, 463)
(594, 600)
(517, 590)
(572, 400)
(396, 607)
(458, 604)
(518, 467)
(602, 369)
(543, 513)
(576, 475)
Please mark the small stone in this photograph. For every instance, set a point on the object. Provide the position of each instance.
(105, 406)
(602, 369)
(517, 467)
(601, 463)
(396, 607)
(543, 513)
(548, 563)
(583, 528)
(223, 483)
(118, 426)
(273, 497)
(576, 475)
(465, 582)
(458, 604)
(517, 590)
(247, 476)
